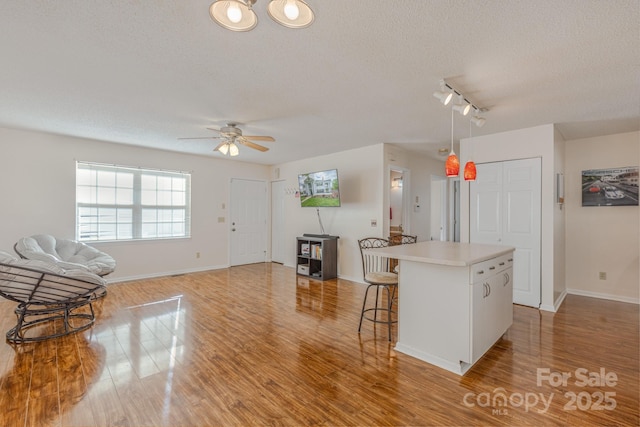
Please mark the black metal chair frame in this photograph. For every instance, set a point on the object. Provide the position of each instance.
(402, 239)
(44, 296)
(377, 264)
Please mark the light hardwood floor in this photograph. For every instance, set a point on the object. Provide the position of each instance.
(255, 346)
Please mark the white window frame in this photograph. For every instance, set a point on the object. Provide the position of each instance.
(116, 203)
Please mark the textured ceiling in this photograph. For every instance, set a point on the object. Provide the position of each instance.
(148, 72)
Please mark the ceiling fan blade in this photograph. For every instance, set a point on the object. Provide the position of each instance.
(259, 138)
(214, 129)
(203, 137)
(250, 144)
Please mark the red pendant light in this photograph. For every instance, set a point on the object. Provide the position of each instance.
(452, 165)
(470, 171)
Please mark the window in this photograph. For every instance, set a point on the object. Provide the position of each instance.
(122, 203)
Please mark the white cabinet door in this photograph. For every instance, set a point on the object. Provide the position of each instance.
(503, 287)
(479, 321)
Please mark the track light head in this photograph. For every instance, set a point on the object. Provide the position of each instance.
(444, 94)
(462, 107)
(444, 97)
(478, 121)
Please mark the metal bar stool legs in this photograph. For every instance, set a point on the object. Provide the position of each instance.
(387, 307)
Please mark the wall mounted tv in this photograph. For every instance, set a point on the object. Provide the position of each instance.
(319, 189)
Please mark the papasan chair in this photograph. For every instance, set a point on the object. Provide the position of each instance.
(52, 301)
(66, 254)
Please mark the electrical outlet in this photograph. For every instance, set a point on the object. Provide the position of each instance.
(603, 275)
(197, 254)
(374, 223)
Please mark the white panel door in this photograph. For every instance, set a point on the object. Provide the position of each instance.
(277, 222)
(486, 204)
(248, 221)
(522, 222)
(505, 205)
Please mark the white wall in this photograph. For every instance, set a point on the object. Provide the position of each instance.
(38, 175)
(605, 238)
(362, 176)
(519, 144)
(559, 226)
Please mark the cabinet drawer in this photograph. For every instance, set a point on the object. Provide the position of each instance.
(485, 269)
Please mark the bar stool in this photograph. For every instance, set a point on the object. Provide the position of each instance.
(376, 273)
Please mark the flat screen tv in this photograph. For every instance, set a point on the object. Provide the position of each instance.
(319, 189)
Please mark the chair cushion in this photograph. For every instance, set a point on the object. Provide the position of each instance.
(47, 267)
(67, 254)
(382, 278)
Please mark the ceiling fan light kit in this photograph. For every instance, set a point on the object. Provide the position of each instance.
(231, 136)
(290, 13)
(234, 15)
(238, 15)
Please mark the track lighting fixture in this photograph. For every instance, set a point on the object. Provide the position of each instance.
(478, 121)
(463, 107)
(238, 15)
(443, 94)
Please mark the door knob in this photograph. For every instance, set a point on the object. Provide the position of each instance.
(233, 229)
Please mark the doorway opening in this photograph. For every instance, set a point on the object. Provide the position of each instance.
(398, 212)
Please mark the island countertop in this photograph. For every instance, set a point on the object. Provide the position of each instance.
(444, 253)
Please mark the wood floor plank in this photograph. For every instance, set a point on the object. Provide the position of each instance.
(258, 345)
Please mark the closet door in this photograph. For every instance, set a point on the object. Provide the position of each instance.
(486, 204)
(505, 207)
(521, 229)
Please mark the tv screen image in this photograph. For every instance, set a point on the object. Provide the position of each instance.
(319, 189)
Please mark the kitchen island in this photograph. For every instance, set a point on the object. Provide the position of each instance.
(455, 300)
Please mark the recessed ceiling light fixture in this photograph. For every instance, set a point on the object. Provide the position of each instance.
(238, 15)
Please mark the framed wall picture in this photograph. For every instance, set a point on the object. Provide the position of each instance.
(610, 187)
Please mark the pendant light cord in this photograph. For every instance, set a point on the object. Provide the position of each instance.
(452, 130)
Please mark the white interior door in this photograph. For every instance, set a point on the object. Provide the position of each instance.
(277, 221)
(506, 209)
(248, 221)
(522, 221)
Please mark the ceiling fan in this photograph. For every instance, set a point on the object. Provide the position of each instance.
(231, 136)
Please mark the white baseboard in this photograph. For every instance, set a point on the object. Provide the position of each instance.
(163, 274)
(603, 296)
(556, 304)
